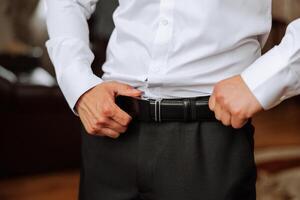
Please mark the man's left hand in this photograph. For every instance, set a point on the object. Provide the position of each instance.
(233, 102)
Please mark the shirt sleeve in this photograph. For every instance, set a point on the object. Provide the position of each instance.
(275, 76)
(68, 46)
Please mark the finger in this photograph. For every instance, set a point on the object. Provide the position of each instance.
(108, 132)
(112, 124)
(85, 119)
(125, 90)
(237, 122)
(218, 112)
(120, 116)
(226, 117)
(212, 102)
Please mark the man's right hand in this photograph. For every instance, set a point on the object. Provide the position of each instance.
(98, 111)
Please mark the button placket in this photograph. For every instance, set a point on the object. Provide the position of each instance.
(162, 40)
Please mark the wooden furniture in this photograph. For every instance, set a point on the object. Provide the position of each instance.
(38, 132)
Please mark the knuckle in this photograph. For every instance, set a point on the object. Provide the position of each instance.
(106, 110)
(91, 130)
(219, 96)
(94, 128)
(108, 133)
(236, 126)
(101, 132)
(123, 129)
(125, 121)
(217, 116)
(248, 115)
(236, 112)
(113, 135)
(226, 122)
(101, 121)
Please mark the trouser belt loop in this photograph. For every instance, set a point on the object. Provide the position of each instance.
(186, 109)
(157, 110)
(193, 109)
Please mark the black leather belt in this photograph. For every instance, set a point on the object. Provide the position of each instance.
(161, 110)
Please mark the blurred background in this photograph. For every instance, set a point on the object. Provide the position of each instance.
(40, 136)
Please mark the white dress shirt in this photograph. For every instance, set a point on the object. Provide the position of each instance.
(176, 48)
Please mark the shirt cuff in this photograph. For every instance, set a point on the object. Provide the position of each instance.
(72, 60)
(75, 82)
(270, 78)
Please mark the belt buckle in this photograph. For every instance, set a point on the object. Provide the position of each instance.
(157, 110)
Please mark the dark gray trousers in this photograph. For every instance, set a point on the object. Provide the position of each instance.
(170, 161)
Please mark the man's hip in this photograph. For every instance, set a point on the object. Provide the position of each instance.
(170, 160)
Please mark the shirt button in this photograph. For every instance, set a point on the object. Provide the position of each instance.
(164, 22)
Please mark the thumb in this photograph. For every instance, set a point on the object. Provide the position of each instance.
(125, 90)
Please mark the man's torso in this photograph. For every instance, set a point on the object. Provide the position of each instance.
(174, 48)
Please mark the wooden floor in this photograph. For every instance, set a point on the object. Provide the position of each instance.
(276, 128)
(59, 186)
